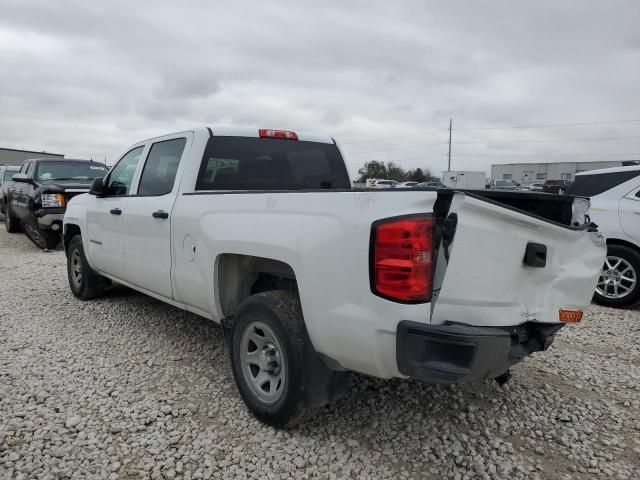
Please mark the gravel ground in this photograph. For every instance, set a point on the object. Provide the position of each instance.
(127, 387)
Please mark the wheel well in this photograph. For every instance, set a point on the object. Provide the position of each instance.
(617, 241)
(70, 231)
(240, 276)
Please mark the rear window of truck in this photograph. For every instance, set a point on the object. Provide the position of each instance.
(244, 163)
(592, 185)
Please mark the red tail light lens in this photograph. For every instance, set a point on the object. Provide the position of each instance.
(402, 259)
(285, 134)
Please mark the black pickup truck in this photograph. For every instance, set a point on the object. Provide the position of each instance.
(40, 193)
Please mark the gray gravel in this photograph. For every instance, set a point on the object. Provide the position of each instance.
(127, 387)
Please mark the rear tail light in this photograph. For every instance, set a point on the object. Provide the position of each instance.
(401, 259)
(284, 134)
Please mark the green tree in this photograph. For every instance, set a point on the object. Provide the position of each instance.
(417, 175)
(372, 169)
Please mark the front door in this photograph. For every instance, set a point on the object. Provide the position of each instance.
(104, 216)
(147, 222)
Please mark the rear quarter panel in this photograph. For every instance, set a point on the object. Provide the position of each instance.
(324, 237)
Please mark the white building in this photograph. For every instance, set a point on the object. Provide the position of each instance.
(539, 172)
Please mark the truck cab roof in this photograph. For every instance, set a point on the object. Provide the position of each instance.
(250, 132)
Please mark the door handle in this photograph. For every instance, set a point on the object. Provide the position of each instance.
(115, 211)
(160, 214)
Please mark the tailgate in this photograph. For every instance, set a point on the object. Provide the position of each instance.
(481, 275)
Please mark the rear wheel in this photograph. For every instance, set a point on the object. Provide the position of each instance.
(84, 282)
(44, 239)
(268, 342)
(11, 223)
(619, 282)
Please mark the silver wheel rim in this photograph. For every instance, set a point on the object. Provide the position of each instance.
(76, 269)
(263, 363)
(617, 278)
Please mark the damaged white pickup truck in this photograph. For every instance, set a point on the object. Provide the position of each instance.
(260, 231)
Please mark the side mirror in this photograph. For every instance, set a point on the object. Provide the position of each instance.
(97, 187)
(22, 178)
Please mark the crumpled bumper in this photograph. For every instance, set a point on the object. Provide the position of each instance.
(457, 353)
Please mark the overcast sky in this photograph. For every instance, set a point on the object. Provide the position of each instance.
(87, 79)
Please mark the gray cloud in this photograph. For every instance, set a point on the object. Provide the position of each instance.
(88, 79)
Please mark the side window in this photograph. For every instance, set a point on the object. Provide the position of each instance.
(119, 180)
(591, 185)
(31, 168)
(23, 167)
(160, 169)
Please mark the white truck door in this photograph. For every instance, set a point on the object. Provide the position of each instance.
(629, 213)
(147, 222)
(104, 216)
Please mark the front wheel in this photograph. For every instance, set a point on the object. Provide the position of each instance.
(84, 282)
(619, 282)
(11, 223)
(268, 341)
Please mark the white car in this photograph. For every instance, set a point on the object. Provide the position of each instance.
(407, 185)
(260, 231)
(383, 184)
(615, 208)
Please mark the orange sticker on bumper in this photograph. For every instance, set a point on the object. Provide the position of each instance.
(570, 316)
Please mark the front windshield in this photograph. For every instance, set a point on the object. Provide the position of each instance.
(83, 172)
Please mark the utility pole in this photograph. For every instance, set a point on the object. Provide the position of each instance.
(450, 125)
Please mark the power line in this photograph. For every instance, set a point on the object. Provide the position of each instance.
(505, 127)
(601, 139)
(398, 148)
(637, 154)
(395, 136)
(400, 159)
(488, 142)
(551, 125)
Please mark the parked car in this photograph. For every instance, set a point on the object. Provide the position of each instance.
(383, 184)
(615, 208)
(6, 175)
(259, 231)
(436, 184)
(534, 187)
(407, 185)
(506, 185)
(40, 192)
(556, 186)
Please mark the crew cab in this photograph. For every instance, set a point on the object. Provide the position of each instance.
(615, 207)
(260, 231)
(39, 193)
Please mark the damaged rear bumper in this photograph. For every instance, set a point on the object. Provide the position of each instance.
(456, 353)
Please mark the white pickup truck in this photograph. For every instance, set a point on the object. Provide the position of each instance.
(260, 231)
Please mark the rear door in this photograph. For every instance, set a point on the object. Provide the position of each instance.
(482, 277)
(147, 221)
(629, 213)
(104, 216)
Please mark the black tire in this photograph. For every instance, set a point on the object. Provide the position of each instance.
(41, 238)
(280, 311)
(632, 258)
(11, 223)
(88, 284)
